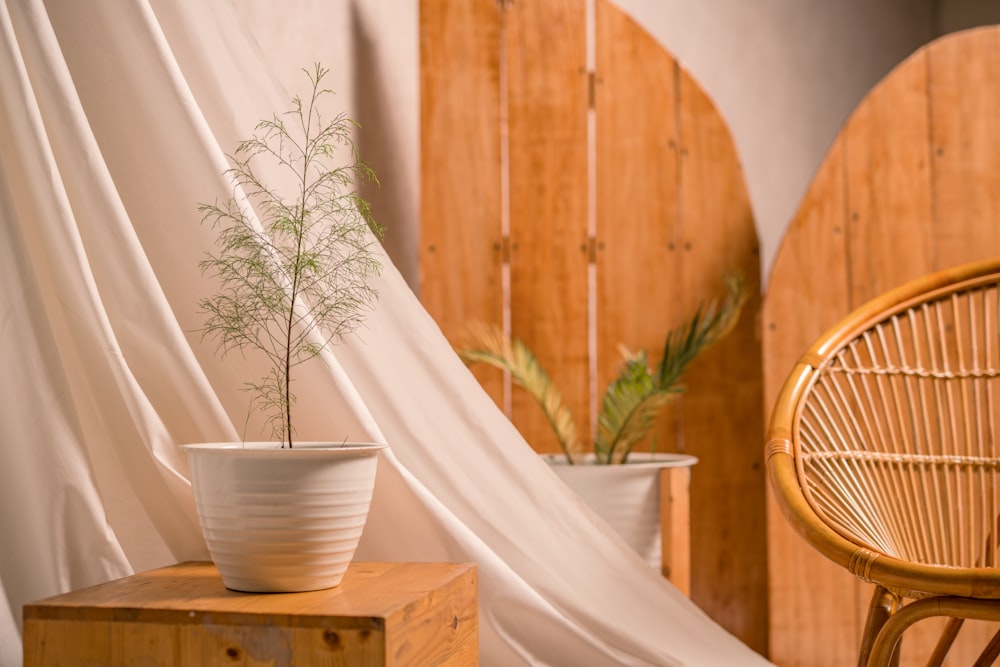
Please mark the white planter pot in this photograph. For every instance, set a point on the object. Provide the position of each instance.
(627, 496)
(282, 520)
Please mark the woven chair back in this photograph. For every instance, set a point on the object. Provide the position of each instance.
(897, 434)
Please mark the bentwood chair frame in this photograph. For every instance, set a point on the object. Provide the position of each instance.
(884, 454)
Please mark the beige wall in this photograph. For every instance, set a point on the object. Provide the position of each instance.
(785, 74)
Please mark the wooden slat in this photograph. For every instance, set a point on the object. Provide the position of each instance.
(547, 105)
(460, 247)
(638, 203)
(888, 184)
(638, 258)
(965, 125)
(808, 291)
(722, 405)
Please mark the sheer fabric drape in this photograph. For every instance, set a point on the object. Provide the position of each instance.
(114, 120)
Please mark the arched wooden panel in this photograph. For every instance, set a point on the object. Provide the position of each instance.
(910, 185)
(667, 216)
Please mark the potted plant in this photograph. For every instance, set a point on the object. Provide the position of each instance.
(625, 495)
(293, 274)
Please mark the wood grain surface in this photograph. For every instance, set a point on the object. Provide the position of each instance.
(381, 614)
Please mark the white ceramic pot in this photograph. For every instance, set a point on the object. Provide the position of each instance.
(282, 520)
(627, 496)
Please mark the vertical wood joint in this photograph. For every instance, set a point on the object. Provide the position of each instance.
(592, 90)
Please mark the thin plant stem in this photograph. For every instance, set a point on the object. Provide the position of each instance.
(294, 274)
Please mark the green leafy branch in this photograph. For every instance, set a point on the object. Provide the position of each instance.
(293, 272)
(632, 401)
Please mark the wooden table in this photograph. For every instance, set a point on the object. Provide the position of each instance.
(381, 614)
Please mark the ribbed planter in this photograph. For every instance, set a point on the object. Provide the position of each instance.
(282, 520)
(627, 496)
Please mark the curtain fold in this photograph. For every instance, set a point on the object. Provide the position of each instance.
(116, 117)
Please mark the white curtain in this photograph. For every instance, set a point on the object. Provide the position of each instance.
(114, 119)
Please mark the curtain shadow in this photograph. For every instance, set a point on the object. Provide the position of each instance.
(382, 145)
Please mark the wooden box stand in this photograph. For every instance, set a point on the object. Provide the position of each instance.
(381, 614)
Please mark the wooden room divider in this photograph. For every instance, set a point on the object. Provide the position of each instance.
(581, 190)
(911, 185)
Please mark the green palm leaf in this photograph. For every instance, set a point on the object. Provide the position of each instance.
(489, 345)
(633, 400)
(709, 325)
(628, 410)
(635, 397)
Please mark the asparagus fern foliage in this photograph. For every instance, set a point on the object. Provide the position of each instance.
(632, 401)
(294, 254)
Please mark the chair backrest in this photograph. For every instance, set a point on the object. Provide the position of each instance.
(883, 443)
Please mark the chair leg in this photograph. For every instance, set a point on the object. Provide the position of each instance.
(889, 636)
(883, 605)
(945, 641)
(990, 653)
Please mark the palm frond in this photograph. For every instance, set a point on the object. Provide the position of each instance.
(489, 345)
(628, 409)
(635, 397)
(709, 325)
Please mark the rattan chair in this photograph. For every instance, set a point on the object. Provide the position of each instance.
(883, 453)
